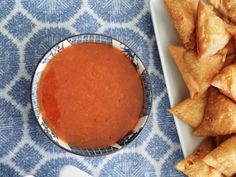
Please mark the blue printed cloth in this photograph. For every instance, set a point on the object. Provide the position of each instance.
(28, 28)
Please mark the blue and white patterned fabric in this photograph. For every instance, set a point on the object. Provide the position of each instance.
(28, 28)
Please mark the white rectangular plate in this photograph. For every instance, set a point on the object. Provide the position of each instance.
(176, 88)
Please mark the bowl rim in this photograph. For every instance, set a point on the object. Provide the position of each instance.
(31, 97)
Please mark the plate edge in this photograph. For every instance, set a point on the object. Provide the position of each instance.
(176, 120)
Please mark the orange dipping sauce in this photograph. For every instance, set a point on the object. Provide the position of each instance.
(90, 95)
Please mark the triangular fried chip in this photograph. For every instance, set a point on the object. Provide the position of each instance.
(219, 117)
(212, 35)
(194, 166)
(226, 7)
(183, 13)
(223, 158)
(191, 110)
(226, 81)
(197, 74)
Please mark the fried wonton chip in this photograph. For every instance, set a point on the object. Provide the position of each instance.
(191, 110)
(226, 81)
(197, 74)
(212, 34)
(183, 13)
(193, 166)
(223, 158)
(226, 7)
(219, 117)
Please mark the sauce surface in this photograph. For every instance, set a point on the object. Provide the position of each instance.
(90, 95)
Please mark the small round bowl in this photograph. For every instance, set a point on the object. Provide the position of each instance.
(136, 62)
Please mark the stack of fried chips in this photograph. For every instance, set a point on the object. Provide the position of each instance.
(206, 59)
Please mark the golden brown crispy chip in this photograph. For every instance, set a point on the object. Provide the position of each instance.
(193, 166)
(219, 117)
(226, 81)
(183, 13)
(226, 8)
(197, 74)
(223, 158)
(191, 110)
(212, 35)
